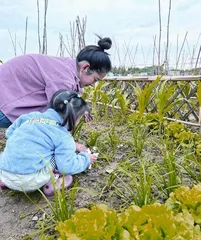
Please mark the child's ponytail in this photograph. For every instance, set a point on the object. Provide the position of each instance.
(70, 107)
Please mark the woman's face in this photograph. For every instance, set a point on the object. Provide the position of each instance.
(87, 78)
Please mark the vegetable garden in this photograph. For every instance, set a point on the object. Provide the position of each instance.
(146, 181)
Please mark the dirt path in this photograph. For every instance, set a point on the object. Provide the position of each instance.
(17, 212)
(18, 215)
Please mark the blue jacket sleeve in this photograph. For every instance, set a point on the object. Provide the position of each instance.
(18, 122)
(67, 161)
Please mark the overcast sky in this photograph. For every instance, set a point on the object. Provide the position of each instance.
(129, 23)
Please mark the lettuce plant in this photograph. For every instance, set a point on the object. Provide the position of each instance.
(151, 222)
(184, 198)
(98, 223)
(157, 222)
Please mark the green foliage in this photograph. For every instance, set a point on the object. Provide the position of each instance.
(137, 189)
(143, 95)
(184, 198)
(151, 222)
(104, 99)
(157, 222)
(114, 140)
(77, 130)
(61, 209)
(184, 137)
(162, 99)
(150, 120)
(140, 134)
(169, 171)
(46, 237)
(92, 140)
(122, 101)
(192, 165)
(199, 93)
(98, 94)
(98, 223)
(173, 129)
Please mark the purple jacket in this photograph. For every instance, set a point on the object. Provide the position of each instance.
(29, 81)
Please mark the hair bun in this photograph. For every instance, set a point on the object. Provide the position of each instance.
(105, 43)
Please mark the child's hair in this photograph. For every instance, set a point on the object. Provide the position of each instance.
(96, 56)
(70, 106)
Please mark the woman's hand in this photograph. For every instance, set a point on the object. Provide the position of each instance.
(80, 147)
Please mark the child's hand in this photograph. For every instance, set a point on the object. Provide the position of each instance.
(93, 157)
(88, 117)
(80, 147)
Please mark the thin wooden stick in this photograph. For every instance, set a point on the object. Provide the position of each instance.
(25, 38)
(13, 43)
(39, 42)
(198, 57)
(154, 47)
(44, 50)
(177, 50)
(167, 44)
(181, 49)
(159, 40)
(21, 47)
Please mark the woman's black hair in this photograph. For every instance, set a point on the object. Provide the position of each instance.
(96, 56)
(70, 106)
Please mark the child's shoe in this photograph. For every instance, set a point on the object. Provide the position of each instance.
(2, 185)
(48, 188)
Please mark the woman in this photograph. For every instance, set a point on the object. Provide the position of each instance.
(28, 82)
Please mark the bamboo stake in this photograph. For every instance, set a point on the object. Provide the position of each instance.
(118, 52)
(25, 38)
(167, 46)
(198, 57)
(44, 50)
(159, 41)
(13, 42)
(21, 47)
(154, 47)
(181, 49)
(177, 50)
(39, 42)
(127, 50)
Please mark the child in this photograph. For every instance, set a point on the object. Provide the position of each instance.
(41, 142)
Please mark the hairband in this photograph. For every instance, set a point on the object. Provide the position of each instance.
(67, 101)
